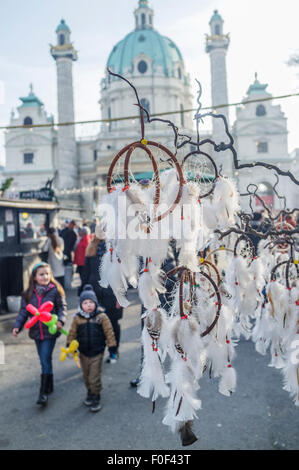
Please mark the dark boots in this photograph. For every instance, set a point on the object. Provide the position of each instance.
(95, 404)
(46, 387)
(43, 397)
(49, 383)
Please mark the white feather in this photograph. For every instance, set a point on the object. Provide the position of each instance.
(152, 380)
(228, 381)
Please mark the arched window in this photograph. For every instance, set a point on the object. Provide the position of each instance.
(179, 73)
(143, 19)
(61, 39)
(146, 105)
(217, 29)
(142, 66)
(28, 121)
(260, 110)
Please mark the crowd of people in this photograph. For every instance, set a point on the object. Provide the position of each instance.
(96, 323)
(261, 223)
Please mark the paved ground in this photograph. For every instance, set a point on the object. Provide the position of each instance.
(260, 415)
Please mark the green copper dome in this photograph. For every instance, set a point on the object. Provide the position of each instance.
(216, 16)
(257, 87)
(62, 27)
(31, 99)
(161, 50)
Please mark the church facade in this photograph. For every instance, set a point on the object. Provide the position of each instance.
(154, 64)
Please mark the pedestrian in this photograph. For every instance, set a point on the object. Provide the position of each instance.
(54, 247)
(91, 266)
(290, 220)
(80, 253)
(69, 237)
(106, 297)
(42, 288)
(93, 224)
(64, 229)
(92, 329)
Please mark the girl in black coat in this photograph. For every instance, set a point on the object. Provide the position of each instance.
(42, 288)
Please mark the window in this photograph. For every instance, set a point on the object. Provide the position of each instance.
(179, 73)
(95, 155)
(28, 121)
(217, 29)
(143, 19)
(182, 116)
(262, 147)
(28, 158)
(61, 39)
(142, 66)
(260, 110)
(145, 103)
(32, 226)
(109, 117)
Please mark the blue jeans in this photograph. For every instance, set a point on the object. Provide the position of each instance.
(45, 349)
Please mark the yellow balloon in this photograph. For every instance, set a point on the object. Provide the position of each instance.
(70, 351)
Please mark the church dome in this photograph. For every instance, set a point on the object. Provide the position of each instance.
(162, 53)
(161, 50)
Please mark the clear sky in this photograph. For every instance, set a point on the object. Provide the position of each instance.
(264, 33)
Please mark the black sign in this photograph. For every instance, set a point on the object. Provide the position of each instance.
(43, 194)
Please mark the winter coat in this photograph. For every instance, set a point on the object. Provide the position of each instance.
(69, 237)
(80, 250)
(55, 258)
(39, 330)
(92, 334)
(105, 296)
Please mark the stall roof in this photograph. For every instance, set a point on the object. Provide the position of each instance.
(28, 204)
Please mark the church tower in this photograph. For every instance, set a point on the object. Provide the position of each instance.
(64, 54)
(216, 46)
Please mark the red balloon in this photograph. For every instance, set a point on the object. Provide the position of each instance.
(43, 311)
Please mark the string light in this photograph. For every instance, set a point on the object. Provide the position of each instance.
(109, 121)
(83, 189)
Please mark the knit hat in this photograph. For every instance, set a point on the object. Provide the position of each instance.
(88, 293)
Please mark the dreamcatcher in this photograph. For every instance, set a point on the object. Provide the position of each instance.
(195, 312)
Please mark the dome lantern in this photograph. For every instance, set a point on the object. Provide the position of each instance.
(143, 16)
(216, 24)
(63, 33)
